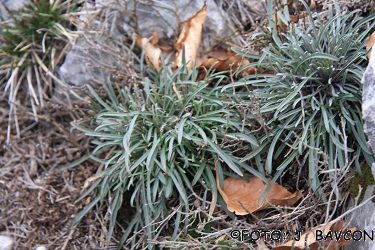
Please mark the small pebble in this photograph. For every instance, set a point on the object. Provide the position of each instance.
(41, 248)
(6, 242)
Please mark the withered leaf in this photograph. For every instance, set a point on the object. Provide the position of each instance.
(309, 239)
(152, 53)
(243, 197)
(190, 37)
(155, 38)
(228, 61)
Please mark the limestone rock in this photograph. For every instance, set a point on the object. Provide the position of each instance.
(363, 218)
(41, 248)
(122, 19)
(368, 104)
(6, 242)
(12, 5)
(167, 17)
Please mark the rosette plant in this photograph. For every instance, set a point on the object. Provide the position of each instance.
(312, 104)
(166, 132)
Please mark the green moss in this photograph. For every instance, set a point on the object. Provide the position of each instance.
(364, 181)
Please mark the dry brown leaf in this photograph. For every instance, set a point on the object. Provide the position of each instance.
(166, 50)
(190, 37)
(370, 43)
(312, 4)
(152, 53)
(155, 38)
(220, 52)
(292, 5)
(261, 245)
(231, 61)
(228, 61)
(310, 238)
(243, 197)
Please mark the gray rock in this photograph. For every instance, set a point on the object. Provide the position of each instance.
(6, 242)
(120, 23)
(12, 5)
(368, 104)
(363, 218)
(167, 16)
(76, 69)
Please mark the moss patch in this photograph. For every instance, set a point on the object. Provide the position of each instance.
(365, 180)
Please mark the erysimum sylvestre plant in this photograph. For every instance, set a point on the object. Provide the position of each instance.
(313, 101)
(166, 131)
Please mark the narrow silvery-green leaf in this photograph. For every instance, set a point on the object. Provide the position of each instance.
(271, 150)
(285, 163)
(105, 105)
(180, 130)
(169, 188)
(249, 138)
(225, 157)
(325, 119)
(179, 186)
(83, 212)
(255, 152)
(198, 173)
(170, 148)
(163, 159)
(338, 144)
(117, 201)
(152, 153)
(128, 134)
(313, 173)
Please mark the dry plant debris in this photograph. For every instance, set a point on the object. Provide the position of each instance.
(227, 61)
(188, 41)
(190, 38)
(152, 53)
(243, 197)
(293, 7)
(309, 239)
(38, 203)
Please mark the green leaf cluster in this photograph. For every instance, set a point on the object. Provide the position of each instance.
(167, 131)
(313, 101)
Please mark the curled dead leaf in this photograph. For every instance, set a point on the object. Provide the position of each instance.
(227, 61)
(152, 53)
(231, 62)
(312, 4)
(312, 239)
(370, 44)
(190, 37)
(243, 197)
(155, 38)
(294, 5)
